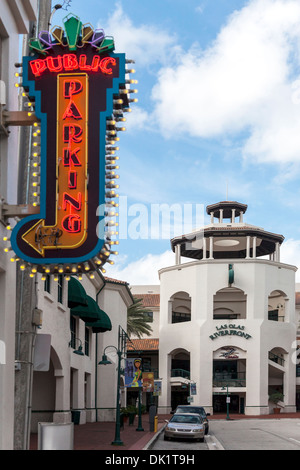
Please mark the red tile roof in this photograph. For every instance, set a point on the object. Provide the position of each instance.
(149, 300)
(116, 281)
(147, 344)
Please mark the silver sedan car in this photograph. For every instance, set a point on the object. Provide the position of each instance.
(186, 426)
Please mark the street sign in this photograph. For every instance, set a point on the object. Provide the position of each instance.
(77, 88)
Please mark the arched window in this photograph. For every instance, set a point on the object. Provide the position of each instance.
(180, 307)
(230, 303)
(277, 305)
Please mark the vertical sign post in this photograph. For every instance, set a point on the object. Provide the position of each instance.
(77, 87)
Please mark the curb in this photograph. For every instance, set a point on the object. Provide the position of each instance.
(153, 439)
(213, 443)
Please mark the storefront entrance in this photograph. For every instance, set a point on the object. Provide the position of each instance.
(236, 404)
(179, 397)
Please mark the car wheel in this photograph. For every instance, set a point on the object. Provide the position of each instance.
(166, 438)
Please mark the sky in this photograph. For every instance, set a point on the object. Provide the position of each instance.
(217, 117)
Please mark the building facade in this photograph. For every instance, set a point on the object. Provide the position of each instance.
(70, 385)
(228, 323)
(15, 20)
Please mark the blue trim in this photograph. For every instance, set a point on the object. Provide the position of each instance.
(117, 81)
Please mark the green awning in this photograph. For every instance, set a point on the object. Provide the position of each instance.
(102, 324)
(89, 312)
(76, 293)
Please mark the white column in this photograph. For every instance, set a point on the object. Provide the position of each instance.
(211, 247)
(254, 247)
(233, 216)
(212, 217)
(248, 247)
(177, 255)
(204, 247)
(241, 217)
(277, 252)
(221, 216)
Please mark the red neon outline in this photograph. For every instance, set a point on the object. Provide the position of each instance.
(74, 137)
(70, 62)
(72, 175)
(71, 220)
(103, 65)
(71, 90)
(51, 66)
(82, 63)
(68, 199)
(69, 112)
(95, 63)
(71, 155)
(37, 67)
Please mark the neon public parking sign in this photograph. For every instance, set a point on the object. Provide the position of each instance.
(79, 89)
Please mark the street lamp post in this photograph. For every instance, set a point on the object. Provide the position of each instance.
(121, 350)
(227, 401)
(140, 427)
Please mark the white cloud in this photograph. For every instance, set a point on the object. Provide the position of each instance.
(146, 44)
(142, 271)
(138, 119)
(245, 81)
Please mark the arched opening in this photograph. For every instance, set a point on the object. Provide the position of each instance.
(180, 377)
(180, 307)
(277, 306)
(229, 377)
(45, 391)
(230, 303)
(277, 361)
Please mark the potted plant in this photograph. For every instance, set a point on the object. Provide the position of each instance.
(132, 411)
(124, 412)
(275, 398)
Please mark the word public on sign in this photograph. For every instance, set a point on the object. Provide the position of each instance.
(77, 86)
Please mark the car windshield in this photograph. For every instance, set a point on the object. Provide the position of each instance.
(186, 419)
(190, 409)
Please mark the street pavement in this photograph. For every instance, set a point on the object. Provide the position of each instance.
(241, 432)
(256, 434)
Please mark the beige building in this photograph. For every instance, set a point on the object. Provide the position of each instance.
(71, 385)
(15, 20)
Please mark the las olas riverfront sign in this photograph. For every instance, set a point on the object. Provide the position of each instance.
(78, 89)
(230, 330)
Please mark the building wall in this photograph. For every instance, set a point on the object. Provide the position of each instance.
(14, 21)
(201, 280)
(114, 300)
(76, 382)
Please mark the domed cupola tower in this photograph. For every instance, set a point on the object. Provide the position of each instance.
(227, 318)
(228, 237)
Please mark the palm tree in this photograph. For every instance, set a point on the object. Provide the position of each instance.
(137, 321)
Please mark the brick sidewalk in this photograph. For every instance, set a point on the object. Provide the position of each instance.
(100, 435)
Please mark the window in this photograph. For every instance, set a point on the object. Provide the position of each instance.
(178, 317)
(230, 303)
(148, 317)
(47, 284)
(273, 315)
(60, 288)
(180, 308)
(87, 342)
(73, 332)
